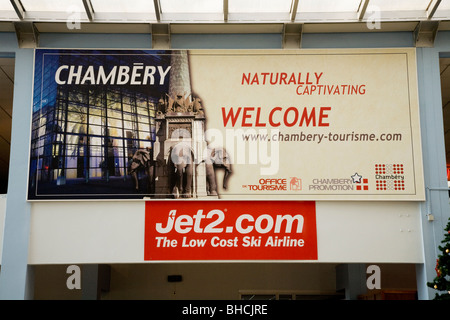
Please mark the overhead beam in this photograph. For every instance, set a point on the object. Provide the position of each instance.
(294, 10)
(157, 10)
(362, 9)
(89, 9)
(432, 8)
(160, 35)
(292, 35)
(425, 33)
(18, 7)
(225, 10)
(27, 34)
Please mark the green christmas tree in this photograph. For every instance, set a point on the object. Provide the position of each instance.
(442, 280)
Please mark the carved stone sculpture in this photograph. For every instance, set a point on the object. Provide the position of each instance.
(142, 160)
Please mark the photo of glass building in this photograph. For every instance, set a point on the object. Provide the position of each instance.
(84, 136)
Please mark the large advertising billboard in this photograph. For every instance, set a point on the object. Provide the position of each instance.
(229, 125)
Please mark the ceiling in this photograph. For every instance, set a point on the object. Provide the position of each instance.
(161, 18)
(224, 11)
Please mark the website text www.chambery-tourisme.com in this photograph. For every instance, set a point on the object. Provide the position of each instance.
(321, 137)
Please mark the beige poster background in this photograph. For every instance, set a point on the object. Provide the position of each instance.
(365, 146)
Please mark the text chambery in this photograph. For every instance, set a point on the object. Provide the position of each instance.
(138, 74)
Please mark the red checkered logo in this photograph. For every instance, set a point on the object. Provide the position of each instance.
(361, 183)
(364, 185)
(385, 171)
(396, 168)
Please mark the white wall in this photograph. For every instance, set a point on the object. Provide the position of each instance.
(369, 232)
(87, 232)
(113, 232)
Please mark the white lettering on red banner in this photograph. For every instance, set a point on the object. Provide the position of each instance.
(230, 230)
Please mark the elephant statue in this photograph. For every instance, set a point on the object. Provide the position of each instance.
(216, 158)
(142, 160)
(181, 170)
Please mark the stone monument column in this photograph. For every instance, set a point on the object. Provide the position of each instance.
(180, 80)
(180, 118)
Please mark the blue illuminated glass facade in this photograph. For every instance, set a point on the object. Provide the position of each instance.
(84, 135)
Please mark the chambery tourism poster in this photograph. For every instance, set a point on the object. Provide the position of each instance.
(225, 124)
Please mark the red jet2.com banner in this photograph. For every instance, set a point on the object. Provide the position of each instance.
(230, 230)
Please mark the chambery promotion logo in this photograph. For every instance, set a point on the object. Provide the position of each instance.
(354, 182)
